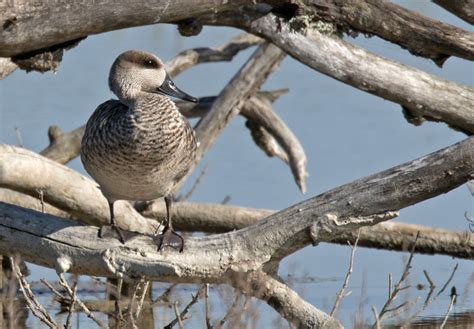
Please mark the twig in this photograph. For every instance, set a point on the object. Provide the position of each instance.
(181, 316)
(65, 285)
(207, 309)
(450, 307)
(178, 317)
(340, 294)
(146, 284)
(33, 304)
(165, 295)
(225, 52)
(429, 299)
(390, 285)
(226, 200)
(432, 289)
(130, 313)
(448, 281)
(427, 276)
(398, 287)
(230, 311)
(18, 137)
(377, 321)
(71, 307)
(41, 197)
(53, 290)
(118, 298)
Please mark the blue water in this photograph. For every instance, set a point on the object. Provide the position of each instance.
(347, 134)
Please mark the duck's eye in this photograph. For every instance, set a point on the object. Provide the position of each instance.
(149, 63)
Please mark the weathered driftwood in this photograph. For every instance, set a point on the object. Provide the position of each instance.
(67, 246)
(63, 22)
(31, 202)
(245, 83)
(421, 35)
(422, 95)
(217, 218)
(225, 52)
(6, 67)
(366, 201)
(462, 8)
(63, 146)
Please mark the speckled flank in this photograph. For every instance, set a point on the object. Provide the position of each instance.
(137, 148)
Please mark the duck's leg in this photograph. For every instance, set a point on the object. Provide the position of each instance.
(112, 230)
(169, 237)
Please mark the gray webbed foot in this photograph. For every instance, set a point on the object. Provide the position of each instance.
(169, 238)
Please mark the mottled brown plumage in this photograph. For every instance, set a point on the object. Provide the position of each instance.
(139, 147)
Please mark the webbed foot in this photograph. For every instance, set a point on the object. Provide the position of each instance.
(169, 238)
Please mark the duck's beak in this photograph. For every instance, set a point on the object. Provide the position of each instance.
(169, 88)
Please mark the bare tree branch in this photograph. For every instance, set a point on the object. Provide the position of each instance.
(284, 300)
(216, 218)
(20, 19)
(62, 244)
(421, 35)
(225, 52)
(230, 101)
(437, 41)
(423, 96)
(54, 242)
(6, 67)
(461, 8)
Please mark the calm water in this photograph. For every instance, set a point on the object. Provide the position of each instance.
(346, 133)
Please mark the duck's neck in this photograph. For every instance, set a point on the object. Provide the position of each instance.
(151, 102)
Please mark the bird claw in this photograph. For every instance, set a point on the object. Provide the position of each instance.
(169, 238)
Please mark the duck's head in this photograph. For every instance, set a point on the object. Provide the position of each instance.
(135, 72)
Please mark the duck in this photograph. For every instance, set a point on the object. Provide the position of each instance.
(139, 147)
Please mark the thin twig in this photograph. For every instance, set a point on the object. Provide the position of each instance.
(165, 295)
(390, 285)
(71, 307)
(178, 317)
(448, 281)
(185, 311)
(230, 312)
(398, 287)
(207, 308)
(340, 294)
(430, 299)
(33, 304)
(427, 276)
(19, 140)
(451, 303)
(118, 299)
(377, 321)
(65, 285)
(130, 313)
(41, 197)
(146, 284)
(53, 290)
